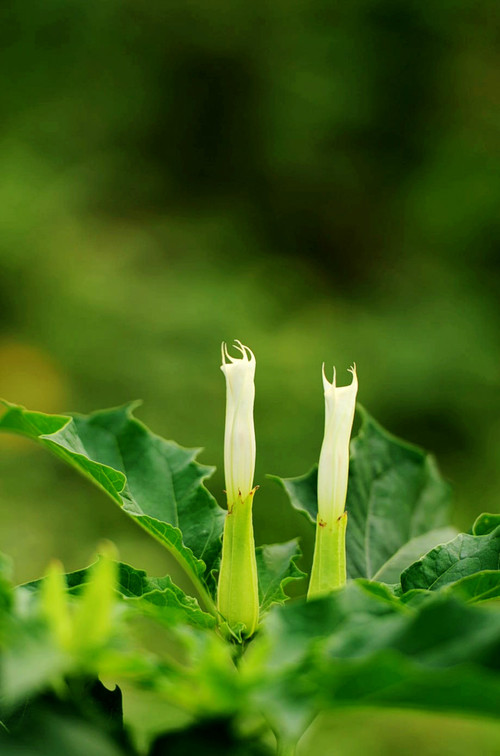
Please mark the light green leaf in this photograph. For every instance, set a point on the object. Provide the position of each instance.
(156, 482)
(464, 555)
(276, 566)
(397, 503)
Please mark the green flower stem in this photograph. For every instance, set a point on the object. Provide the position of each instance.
(238, 594)
(329, 563)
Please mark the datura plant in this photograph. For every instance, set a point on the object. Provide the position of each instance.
(400, 610)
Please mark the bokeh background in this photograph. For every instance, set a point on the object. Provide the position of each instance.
(318, 179)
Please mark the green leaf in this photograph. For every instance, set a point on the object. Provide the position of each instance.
(302, 492)
(276, 567)
(464, 555)
(156, 482)
(485, 523)
(156, 596)
(390, 572)
(481, 586)
(395, 496)
(397, 503)
(78, 725)
(362, 646)
(389, 679)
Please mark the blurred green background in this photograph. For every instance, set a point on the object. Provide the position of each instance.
(318, 179)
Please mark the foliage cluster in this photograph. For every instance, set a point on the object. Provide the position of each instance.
(417, 624)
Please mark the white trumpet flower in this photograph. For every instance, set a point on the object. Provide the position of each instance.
(237, 594)
(329, 568)
(239, 438)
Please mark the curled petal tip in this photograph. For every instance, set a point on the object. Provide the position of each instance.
(226, 357)
(326, 382)
(245, 351)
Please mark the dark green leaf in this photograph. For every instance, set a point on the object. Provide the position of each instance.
(412, 549)
(302, 492)
(397, 503)
(276, 566)
(395, 496)
(464, 555)
(156, 482)
(485, 523)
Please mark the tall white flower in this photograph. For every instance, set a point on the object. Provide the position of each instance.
(237, 594)
(239, 438)
(329, 568)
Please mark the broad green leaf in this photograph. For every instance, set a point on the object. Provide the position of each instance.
(156, 596)
(156, 482)
(464, 555)
(397, 503)
(276, 566)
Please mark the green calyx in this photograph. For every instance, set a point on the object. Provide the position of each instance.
(238, 593)
(329, 563)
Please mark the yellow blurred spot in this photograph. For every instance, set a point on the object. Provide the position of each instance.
(29, 376)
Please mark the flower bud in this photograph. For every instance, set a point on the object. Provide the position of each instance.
(329, 566)
(239, 439)
(237, 596)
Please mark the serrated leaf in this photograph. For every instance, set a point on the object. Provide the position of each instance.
(156, 482)
(276, 567)
(464, 555)
(397, 503)
(156, 596)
